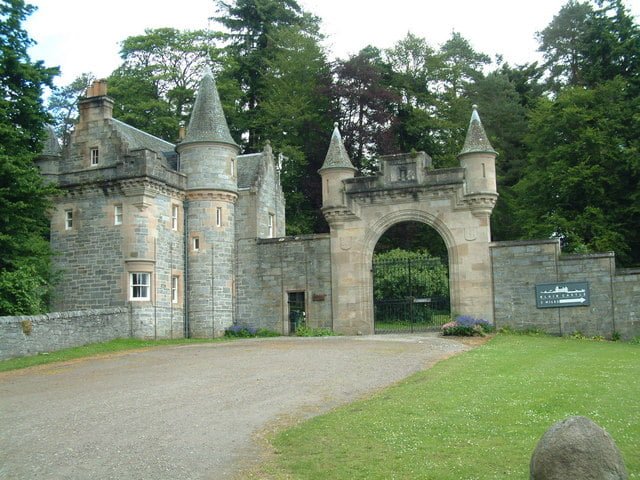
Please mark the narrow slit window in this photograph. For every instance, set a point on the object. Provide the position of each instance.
(484, 171)
(174, 289)
(196, 243)
(272, 221)
(117, 215)
(174, 217)
(68, 219)
(95, 156)
(218, 216)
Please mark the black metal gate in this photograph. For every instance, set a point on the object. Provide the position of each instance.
(410, 294)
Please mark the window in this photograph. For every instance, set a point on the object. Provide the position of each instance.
(174, 217)
(272, 221)
(196, 244)
(117, 215)
(95, 156)
(218, 216)
(233, 167)
(68, 219)
(174, 289)
(140, 286)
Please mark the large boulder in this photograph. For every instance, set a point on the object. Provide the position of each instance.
(577, 449)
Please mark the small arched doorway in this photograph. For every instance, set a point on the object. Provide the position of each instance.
(410, 280)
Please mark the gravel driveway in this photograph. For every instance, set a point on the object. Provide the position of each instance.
(188, 412)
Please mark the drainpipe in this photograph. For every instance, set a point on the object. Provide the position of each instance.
(185, 261)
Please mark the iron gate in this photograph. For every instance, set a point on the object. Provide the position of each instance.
(410, 294)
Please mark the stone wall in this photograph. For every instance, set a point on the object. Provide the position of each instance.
(268, 270)
(29, 335)
(518, 266)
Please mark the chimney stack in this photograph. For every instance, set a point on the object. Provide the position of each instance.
(96, 105)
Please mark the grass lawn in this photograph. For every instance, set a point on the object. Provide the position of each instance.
(94, 349)
(478, 415)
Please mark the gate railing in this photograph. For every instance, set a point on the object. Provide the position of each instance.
(411, 314)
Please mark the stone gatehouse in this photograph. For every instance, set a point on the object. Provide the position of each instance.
(191, 237)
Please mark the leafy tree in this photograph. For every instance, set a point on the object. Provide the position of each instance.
(251, 27)
(582, 180)
(155, 85)
(416, 73)
(363, 92)
(295, 115)
(63, 105)
(400, 273)
(24, 249)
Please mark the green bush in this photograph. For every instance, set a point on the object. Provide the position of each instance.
(305, 331)
(429, 277)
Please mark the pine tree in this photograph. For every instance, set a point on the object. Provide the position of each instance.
(24, 249)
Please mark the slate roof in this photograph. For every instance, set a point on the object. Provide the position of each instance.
(51, 145)
(476, 140)
(337, 156)
(208, 123)
(249, 169)
(137, 139)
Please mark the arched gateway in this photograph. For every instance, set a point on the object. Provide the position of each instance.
(456, 202)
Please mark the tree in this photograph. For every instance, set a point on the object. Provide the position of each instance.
(155, 85)
(363, 91)
(63, 105)
(582, 181)
(295, 115)
(251, 27)
(24, 249)
(416, 71)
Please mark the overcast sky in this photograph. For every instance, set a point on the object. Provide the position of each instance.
(84, 35)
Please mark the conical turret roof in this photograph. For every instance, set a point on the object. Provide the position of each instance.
(208, 123)
(51, 146)
(337, 156)
(476, 141)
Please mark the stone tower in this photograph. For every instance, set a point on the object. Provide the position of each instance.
(208, 156)
(336, 168)
(478, 158)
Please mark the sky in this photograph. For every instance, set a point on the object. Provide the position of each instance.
(83, 36)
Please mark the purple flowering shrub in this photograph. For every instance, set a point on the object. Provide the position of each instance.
(239, 331)
(467, 326)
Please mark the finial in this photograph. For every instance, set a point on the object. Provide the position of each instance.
(335, 124)
(267, 142)
(207, 71)
(474, 106)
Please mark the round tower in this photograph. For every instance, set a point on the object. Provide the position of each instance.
(336, 168)
(478, 158)
(207, 156)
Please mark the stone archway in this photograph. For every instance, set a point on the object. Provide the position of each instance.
(456, 202)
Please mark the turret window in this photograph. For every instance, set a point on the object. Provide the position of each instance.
(117, 215)
(68, 219)
(174, 217)
(195, 241)
(218, 216)
(95, 156)
(174, 289)
(272, 226)
(140, 286)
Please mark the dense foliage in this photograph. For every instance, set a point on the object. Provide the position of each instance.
(565, 130)
(401, 273)
(24, 249)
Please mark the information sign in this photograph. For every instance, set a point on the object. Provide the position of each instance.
(568, 294)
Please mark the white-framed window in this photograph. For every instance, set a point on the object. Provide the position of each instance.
(68, 219)
(272, 226)
(174, 288)
(195, 241)
(218, 216)
(117, 215)
(94, 155)
(174, 217)
(140, 286)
